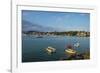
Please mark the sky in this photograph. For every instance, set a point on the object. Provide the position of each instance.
(55, 21)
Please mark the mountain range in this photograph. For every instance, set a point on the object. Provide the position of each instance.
(29, 26)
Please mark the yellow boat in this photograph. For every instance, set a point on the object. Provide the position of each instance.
(70, 51)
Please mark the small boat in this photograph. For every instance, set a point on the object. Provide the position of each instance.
(70, 51)
(50, 49)
(77, 44)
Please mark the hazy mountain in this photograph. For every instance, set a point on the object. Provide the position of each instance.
(28, 26)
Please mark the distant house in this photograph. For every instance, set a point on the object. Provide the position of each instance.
(81, 34)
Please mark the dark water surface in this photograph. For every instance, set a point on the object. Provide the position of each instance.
(33, 49)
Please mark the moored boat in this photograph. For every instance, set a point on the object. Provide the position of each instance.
(70, 51)
(77, 44)
(50, 49)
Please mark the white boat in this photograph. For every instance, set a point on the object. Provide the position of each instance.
(50, 49)
(77, 44)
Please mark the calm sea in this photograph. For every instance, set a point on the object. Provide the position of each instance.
(33, 49)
